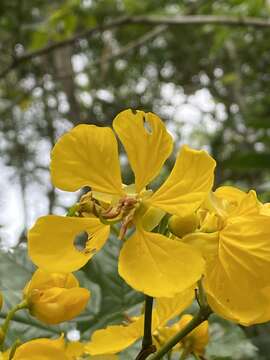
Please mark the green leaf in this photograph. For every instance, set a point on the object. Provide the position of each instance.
(248, 161)
(228, 341)
(39, 38)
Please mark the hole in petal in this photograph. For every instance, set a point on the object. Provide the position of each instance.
(147, 126)
(134, 111)
(80, 241)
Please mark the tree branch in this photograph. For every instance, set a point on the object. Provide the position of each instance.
(141, 20)
(134, 44)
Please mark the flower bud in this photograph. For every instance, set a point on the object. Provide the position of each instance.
(55, 297)
(181, 226)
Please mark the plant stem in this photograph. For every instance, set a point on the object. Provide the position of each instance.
(185, 353)
(13, 349)
(147, 343)
(200, 317)
(147, 337)
(4, 328)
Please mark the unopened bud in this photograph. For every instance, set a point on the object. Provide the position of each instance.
(181, 226)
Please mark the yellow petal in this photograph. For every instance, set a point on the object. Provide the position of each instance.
(51, 242)
(239, 203)
(231, 296)
(74, 349)
(151, 218)
(168, 308)
(159, 266)
(245, 241)
(265, 209)
(114, 338)
(87, 156)
(206, 243)
(234, 279)
(41, 349)
(188, 184)
(249, 205)
(44, 280)
(265, 313)
(147, 150)
(230, 193)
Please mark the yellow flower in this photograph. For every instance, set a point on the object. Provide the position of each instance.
(234, 238)
(55, 297)
(42, 349)
(88, 156)
(196, 341)
(116, 338)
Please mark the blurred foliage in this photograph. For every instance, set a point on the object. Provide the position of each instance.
(95, 77)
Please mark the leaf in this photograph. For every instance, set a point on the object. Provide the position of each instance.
(248, 161)
(40, 38)
(228, 341)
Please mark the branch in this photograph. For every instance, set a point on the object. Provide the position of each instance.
(199, 318)
(134, 44)
(141, 20)
(147, 343)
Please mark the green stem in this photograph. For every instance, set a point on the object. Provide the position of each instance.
(4, 328)
(13, 349)
(202, 300)
(200, 317)
(147, 342)
(196, 356)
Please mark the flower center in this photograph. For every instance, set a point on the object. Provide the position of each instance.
(110, 210)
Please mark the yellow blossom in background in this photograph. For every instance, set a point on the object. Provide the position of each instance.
(88, 156)
(116, 338)
(233, 237)
(197, 340)
(55, 297)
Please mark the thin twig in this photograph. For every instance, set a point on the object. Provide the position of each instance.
(140, 20)
(134, 44)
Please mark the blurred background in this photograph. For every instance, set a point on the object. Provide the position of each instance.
(68, 62)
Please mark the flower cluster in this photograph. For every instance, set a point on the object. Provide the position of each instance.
(180, 241)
